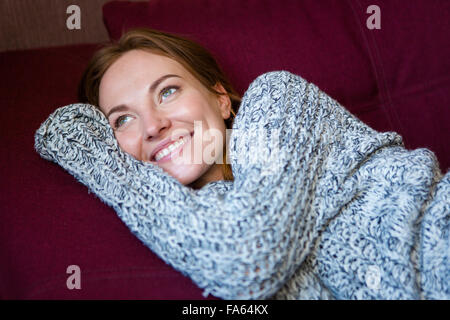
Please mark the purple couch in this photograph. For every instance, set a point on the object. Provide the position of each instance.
(394, 79)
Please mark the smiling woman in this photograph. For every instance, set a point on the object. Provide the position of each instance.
(154, 87)
(324, 208)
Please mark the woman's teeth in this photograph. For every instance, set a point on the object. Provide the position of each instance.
(164, 152)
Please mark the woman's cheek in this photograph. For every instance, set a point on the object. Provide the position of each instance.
(130, 142)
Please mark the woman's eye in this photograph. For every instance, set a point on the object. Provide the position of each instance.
(120, 121)
(166, 92)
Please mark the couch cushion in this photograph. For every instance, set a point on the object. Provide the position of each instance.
(395, 78)
(409, 55)
(49, 221)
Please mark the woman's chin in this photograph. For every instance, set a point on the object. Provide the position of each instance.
(186, 175)
(197, 175)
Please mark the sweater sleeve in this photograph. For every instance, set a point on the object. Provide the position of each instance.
(246, 242)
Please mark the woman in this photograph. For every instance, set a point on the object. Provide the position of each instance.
(320, 205)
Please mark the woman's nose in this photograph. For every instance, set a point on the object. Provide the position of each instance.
(154, 124)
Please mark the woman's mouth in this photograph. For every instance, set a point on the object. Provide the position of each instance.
(171, 150)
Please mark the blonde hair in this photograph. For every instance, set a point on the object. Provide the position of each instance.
(195, 58)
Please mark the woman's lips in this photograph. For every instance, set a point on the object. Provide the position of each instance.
(173, 152)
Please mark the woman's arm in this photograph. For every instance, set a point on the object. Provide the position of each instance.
(244, 243)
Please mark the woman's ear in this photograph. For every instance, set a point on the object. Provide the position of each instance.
(223, 100)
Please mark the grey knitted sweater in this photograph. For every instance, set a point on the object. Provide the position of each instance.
(322, 206)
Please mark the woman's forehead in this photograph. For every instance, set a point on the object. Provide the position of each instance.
(139, 68)
(140, 62)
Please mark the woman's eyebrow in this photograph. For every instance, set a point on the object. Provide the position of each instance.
(155, 84)
(161, 79)
(118, 108)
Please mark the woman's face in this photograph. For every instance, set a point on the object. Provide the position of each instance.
(151, 100)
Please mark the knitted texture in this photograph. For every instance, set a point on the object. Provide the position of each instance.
(322, 206)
